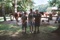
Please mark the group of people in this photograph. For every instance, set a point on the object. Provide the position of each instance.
(33, 19)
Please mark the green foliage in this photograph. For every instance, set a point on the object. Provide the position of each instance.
(0, 0)
(22, 5)
(54, 3)
(41, 8)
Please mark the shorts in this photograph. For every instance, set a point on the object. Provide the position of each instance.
(31, 23)
(24, 25)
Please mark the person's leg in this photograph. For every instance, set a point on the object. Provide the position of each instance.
(32, 27)
(37, 29)
(25, 27)
(22, 27)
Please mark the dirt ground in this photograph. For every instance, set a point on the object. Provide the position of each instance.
(39, 36)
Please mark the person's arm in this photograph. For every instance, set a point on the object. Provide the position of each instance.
(28, 16)
(26, 19)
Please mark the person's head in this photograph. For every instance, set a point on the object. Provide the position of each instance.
(31, 10)
(36, 11)
(25, 13)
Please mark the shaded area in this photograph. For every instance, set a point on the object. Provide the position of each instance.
(10, 31)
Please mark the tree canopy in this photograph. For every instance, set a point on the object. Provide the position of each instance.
(41, 8)
(22, 5)
(54, 3)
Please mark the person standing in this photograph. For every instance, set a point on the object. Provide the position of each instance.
(30, 20)
(37, 21)
(58, 20)
(24, 22)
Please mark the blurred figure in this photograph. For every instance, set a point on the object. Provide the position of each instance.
(24, 22)
(11, 17)
(37, 21)
(30, 20)
(16, 17)
(58, 19)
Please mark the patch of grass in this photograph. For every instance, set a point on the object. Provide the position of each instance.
(48, 28)
(13, 28)
(9, 27)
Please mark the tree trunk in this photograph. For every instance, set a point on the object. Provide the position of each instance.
(3, 11)
(15, 2)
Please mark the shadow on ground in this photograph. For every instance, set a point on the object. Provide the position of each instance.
(10, 31)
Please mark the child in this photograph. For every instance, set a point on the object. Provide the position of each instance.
(37, 21)
(30, 20)
(24, 22)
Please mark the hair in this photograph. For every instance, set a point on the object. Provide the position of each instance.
(25, 13)
(30, 9)
(36, 10)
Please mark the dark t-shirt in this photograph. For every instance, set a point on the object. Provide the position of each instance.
(16, 15)
(37, 18)
(24, 18)
(30, 16)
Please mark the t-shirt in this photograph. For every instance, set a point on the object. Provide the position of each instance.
(16, 15)
(30, 16)
(24, 18)
(37, 17)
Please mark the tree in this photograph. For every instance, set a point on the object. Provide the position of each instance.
(24, 4)
(41, 8)
(10, 5)
(54, 3)
(4, 4)
(3, 10)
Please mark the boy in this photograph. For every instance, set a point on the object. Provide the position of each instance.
(37, 21)
(24, 22)
(30, 20)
